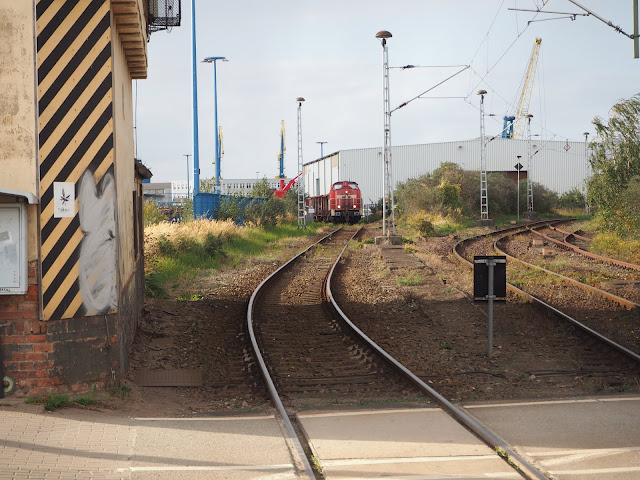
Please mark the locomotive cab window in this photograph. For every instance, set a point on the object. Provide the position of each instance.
(337, 186)
(353, 185)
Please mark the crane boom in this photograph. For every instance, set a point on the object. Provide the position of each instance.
(525, 97)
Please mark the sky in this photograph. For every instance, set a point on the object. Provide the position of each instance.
(327, 53)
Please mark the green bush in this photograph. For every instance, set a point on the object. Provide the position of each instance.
(574, 199)
(265, 213)
(422, 222)
(230, 208)
(151, 214)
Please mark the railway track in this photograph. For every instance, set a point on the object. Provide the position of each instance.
(579, 244)
(309, 350)
(311, 357)
(612, 319)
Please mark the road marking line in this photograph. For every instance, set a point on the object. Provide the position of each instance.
(367, 412)
(596, 470)
(211, 468)
(554, 402)
(202, 419)
(576, 451)
(383, 461)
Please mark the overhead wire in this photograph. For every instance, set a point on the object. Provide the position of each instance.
(487, 34)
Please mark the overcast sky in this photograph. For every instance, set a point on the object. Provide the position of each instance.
(327, 53)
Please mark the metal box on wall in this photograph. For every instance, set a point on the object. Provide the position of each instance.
(13, 248)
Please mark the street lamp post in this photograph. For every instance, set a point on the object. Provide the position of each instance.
(484, 198)
(215, 108)
(529, 167)
(387, 178)
(321, 151)
(586, 171)
(301, 216)
(518, 168)
(194, 75)
(188, 189)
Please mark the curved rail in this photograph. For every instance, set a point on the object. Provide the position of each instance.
(265, 372)
(510, 287)
(609, 296)
(460, 416)
(532, 299)
(566, 245)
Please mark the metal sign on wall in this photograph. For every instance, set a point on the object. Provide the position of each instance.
(13, 249)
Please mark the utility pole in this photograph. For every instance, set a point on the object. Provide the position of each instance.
(529, 168)
(321, 151)
(484, 199)
(188, 189)
(636, 31)
(302, 221)
(586, 160)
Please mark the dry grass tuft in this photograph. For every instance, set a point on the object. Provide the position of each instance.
(196, 230)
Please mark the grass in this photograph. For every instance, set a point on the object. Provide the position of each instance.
(60, 400)
(611, 244)
(445, 346)
(410, 280)
(315, 463)
(121, 392)
(178, 253)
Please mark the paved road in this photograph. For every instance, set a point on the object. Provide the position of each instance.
(596, 438)
(76, 444)
(586, 439)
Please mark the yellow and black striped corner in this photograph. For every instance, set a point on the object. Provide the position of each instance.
(75, 96)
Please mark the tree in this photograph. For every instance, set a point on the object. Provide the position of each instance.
(262, 189)
(615, 161)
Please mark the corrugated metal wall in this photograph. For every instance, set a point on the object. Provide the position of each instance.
(554, 165)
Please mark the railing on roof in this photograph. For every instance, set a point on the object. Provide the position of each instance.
(164, 14)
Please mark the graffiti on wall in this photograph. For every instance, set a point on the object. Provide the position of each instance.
(97, 262)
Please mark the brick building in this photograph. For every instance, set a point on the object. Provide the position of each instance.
(71, 262)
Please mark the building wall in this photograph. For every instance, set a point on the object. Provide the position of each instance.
(85, 276)
(124, 156)
(75, 97)
(17, 105)
(558, 165)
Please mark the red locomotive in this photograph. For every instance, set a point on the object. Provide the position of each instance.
(342, 204)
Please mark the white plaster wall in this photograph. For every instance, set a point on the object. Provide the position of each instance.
(18, 114)
(124, 153)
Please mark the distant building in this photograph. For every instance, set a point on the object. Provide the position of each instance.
(244, 186)
(180, 190)
(157, 192)
(176, 191)
(558, 165)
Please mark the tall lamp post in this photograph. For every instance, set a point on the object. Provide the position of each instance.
(586, 170)
(188, 189)
(194, 75)
(518, 168)
(321, 151)
(484, 198)
(387, 178)
(529, 167)
(215, 108)
(301, 216)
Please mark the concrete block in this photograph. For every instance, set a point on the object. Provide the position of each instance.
(389, 240)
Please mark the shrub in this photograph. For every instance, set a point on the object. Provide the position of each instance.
(151, 213)
(230, 208)
(265, 213)
(572, 200)
(422, 222)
